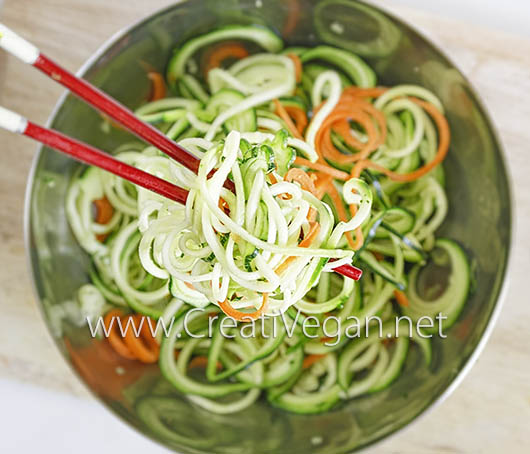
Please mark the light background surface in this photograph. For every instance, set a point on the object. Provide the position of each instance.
(57, 417)
(512, 16)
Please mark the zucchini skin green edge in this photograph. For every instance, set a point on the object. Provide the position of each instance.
(265, 38)
(310, 404)
(460, 292)
(246, 363)
(182, 382)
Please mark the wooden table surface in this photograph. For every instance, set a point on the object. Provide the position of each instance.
(489, 412)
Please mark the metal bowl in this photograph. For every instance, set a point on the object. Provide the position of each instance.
(479, 218)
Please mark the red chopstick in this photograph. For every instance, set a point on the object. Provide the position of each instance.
(93, 96)
(30, 54)
(116, 111)
(349, 271)
(92, 156)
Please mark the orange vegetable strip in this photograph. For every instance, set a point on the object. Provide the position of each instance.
(366, 107)
(299, 116)
(202, 362)
(159, 86)
(281, 112)
(359, 235)
(223, 205)
(443, 148)
(302, 178)
(306, 242)
(341, 211)
(401, 298)
(322, 181)
(352, 107)
(323, 340)
(115, 340)
(306, 184)
(311, 235)
(324, 134)
(104, 210)
(244, 316)
(309, 360)
(104, 213)
(146, 348)
(343, 128)
(223, 51)
(297, 66)
(359, 92)
(338, 174)
(294, 11)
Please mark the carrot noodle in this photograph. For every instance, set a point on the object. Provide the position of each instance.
(343, 128)
(359, 111)
(297, 66)
(321, 182)
(244, 316)
(200, 362)
(309, 360)
(302, 179)
(401, 298)
(311, 235)
(282, 113)
(336, 200)
(104, 213)
(293, 17)
(97, 363)
(223, 204)
(159, 86)
(299, 116)
(306, 242)
(114, 338)
(338, 174)
(359, 92)
(443, 148)
(341, 211)
(104, 210)
(222, 52)
(144, 348)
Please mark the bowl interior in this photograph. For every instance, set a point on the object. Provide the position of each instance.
(479, 219)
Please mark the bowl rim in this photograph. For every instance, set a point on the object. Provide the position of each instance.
(501, 292)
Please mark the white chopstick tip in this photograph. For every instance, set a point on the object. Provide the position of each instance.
(18, 46)
(12, 121)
